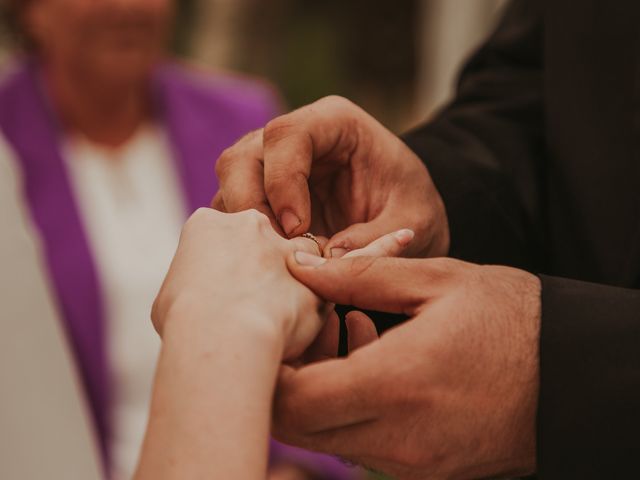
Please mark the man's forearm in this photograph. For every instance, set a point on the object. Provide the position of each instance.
(211, 407)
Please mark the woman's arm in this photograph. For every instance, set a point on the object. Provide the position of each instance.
(224, 312)
(211, 407)
(229, 312)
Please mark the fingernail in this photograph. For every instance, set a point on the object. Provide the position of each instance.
(338, 252)
(309, 260)
(289, 221)
(404, 236)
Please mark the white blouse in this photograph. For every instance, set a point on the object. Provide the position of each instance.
(133, 209)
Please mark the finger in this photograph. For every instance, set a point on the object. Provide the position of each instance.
(308, 245)
(325, 346)
(241, 176)
(327, 395)
(325, 131)
(322, 241)
(361, 330)
(360, 235)
(394, 285)
(218, 203)
(389, 245)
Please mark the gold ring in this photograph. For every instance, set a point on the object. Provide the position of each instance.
(310, 236)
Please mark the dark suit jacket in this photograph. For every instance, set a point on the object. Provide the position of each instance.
(538, 162)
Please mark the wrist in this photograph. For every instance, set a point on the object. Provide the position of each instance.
(215, 380)
(528, 374)
(244, 323)
(516, 294)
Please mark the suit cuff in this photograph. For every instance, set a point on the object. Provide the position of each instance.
(589, 403)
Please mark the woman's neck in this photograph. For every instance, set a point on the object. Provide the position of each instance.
(107, 114)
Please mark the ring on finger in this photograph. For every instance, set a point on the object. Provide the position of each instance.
(310, 236)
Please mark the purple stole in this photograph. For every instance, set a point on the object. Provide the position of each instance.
(202, 115)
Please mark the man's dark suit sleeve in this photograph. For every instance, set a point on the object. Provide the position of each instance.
(485, 152)
(589, 407)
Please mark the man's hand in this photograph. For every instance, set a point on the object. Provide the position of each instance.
(450, 394)
(332, 169)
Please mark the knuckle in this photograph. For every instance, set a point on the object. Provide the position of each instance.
(250, 138)
(246, 148)
(201, 216)
(277, 130)
(257, 217)
(224, 162)
(193, 219)
(347, 112)
(217, 203)
(281, 180)
(338, 101)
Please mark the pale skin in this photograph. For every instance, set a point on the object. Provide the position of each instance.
(451, 393)
(229, 313)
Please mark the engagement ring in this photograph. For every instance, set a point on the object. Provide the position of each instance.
(310, 236)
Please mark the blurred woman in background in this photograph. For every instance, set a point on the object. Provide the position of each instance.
(115, 148)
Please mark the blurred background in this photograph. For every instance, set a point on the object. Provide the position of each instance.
(397, 60)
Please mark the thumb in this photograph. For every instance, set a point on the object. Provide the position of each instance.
(393, 285)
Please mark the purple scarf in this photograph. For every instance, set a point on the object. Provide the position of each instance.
(202, 115)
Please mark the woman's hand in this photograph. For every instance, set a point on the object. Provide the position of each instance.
(233, 266)
(228, 312)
